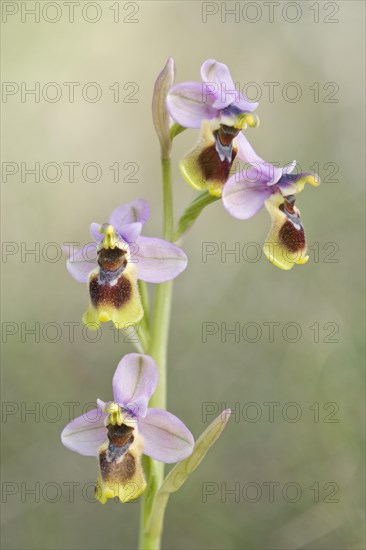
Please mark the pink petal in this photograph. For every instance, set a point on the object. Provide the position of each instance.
(85, 434)
(134, 382)
(95, 232)
(131, 232)
(218, 73)
(158, 260)
(166, 438)
(82, 262)
(243, 198)
(135, 211)
(266, 171)
(218, 76)
(189, 103)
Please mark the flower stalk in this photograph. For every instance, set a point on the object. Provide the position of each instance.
(158, 349)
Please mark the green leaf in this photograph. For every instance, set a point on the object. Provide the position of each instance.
(181, 471)
(178, 475)
(192, 212)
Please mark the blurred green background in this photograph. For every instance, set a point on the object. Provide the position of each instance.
(319, 453)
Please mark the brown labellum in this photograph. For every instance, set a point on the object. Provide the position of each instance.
(116, 462)
(107, 294)
(291, 234)
(216, 161)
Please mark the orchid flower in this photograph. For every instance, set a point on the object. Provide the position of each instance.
(117, 259)
(221, 111)
(263, 184)
(119, 432)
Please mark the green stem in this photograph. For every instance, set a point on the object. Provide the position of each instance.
(159, 340)
(145, 304)
(143, 339)
(158, 348)
(144, 326)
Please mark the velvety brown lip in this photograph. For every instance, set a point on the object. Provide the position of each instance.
(121, 470)
(293, 239)
(105, 294)
(213, 168)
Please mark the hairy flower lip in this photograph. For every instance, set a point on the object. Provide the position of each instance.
(207, 166)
